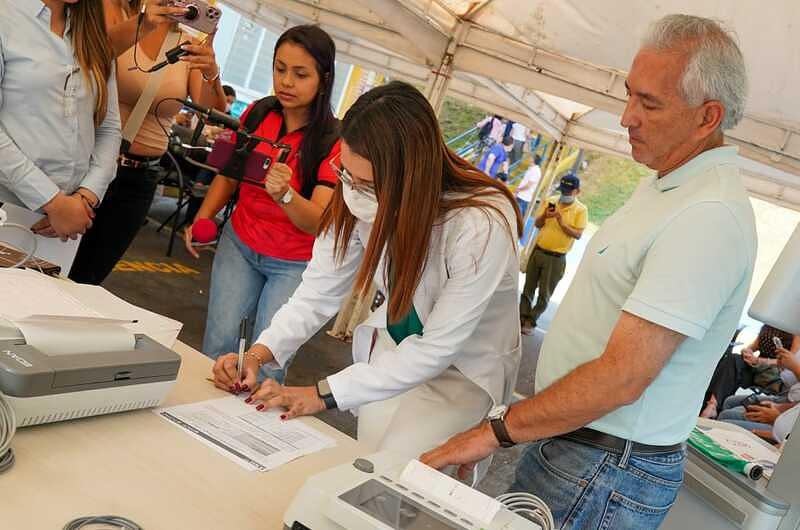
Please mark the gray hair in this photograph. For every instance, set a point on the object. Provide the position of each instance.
(715, 67)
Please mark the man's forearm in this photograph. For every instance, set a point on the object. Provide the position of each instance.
(587, 393)
(571, 232)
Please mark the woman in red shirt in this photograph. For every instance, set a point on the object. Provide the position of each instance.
(263, 251)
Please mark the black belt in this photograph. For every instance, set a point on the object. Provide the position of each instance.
(615, 444)
(136, 161)
(550, 252)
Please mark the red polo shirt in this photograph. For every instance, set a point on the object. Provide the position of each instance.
(258, 220)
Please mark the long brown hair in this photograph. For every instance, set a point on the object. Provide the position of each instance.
(92, 49)
(419, 182)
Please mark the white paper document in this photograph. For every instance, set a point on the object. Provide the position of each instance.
(450, 491)
(256, 440)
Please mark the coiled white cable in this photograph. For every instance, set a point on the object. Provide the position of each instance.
(106, 520)
(8, 426)
(529, 506)
(27, 230)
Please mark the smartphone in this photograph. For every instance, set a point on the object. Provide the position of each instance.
(199, 15)
(777, 342)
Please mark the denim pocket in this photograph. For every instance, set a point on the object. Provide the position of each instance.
(571, 461)
(623, 512)
(663, 470)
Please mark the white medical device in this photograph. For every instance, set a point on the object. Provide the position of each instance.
(370, 494)
(715, 498)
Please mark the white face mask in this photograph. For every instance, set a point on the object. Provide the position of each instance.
(363, 207)
(567, 199)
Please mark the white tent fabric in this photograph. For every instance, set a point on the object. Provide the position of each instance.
(559, 66)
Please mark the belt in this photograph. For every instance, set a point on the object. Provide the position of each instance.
(136, 162)
(550, 252)
(615, 444)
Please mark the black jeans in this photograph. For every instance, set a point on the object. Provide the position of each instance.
(120, 216)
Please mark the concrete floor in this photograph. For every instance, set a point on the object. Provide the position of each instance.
(183, 295)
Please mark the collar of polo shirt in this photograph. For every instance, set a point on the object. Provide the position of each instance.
(696, 166)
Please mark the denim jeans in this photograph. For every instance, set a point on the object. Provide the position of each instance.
(733, 411)
(587, 487)
(523, 206)
(245, 283)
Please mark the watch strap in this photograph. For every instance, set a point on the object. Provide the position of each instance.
(325, 394)
(501, 433)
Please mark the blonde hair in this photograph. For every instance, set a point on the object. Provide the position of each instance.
(92, 50)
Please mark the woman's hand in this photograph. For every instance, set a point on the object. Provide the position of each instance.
(67, 217)
(201, 57)
(187, 240)
(786, 360)
(297, 400)
(224, 371)
(277, 181)
(156, 14)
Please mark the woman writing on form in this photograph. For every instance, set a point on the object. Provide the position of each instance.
(438, 237)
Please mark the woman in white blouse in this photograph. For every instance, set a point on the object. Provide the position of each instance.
(59, 121)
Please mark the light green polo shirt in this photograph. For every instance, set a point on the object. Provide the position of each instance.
(680, 253)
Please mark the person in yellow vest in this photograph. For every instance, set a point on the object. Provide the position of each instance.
(560, 220)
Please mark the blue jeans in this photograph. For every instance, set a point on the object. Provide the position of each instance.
(587, 487)
(733, 411)
(245, 283)
(523, 206)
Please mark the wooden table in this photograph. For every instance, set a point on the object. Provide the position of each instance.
(139, 466)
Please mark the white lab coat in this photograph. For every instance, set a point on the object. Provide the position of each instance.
(467, 301)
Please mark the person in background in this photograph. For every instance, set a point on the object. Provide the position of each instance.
(495, 160)
(656, 298)
(489, 128)
(755, 367)
(527, 187)
(561, 220)
(59, 119)
(740, 407)
(519, 133)
(230, 97)
(264, 249)
(439, 239)
(124, 210)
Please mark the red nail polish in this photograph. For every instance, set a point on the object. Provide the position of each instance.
(283, 416)
(248, 400)
(245, 388)
(260, 407)
(232, 389)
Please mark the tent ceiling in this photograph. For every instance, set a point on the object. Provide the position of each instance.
(560, 65)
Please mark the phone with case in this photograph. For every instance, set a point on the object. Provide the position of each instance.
(200, 15)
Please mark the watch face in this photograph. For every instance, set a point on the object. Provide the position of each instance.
(497, 412)
(324, 388)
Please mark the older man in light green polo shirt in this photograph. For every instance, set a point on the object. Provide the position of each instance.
(658, 294)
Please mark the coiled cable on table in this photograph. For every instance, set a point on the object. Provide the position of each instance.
(109, 520)
(8, 426)
(529, 506)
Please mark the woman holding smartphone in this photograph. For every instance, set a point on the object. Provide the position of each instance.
(265, 247)
(438, 237)
(124, 209)
(59, 122)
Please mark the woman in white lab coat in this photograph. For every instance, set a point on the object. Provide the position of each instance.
(438, 237)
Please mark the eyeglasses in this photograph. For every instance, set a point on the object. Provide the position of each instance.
(362, 187)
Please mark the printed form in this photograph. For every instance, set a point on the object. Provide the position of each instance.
(256, 440)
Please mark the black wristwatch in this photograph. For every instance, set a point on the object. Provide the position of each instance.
(496, 419)
(325, 394)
